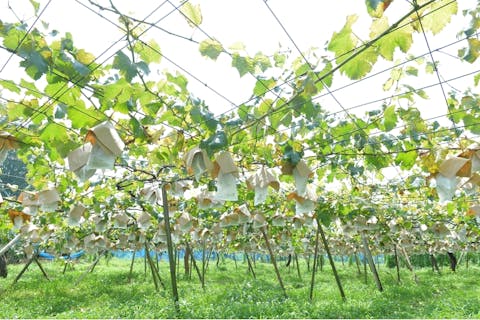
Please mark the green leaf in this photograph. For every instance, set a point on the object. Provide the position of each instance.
(149, 52)
(472, 124)
(244, 65)
(31, 88)
(138, 130)
(390, 118)
(344, 41)
(263, 85)
(476, 79)
(399, 38)
(291, 155)
(82, 117)
(473, 50)
(361, 65)
(35, 64)
(192, 14)
(214, 143)
(35, 5)
(122, 63)
(279, 59)
(53, 132)
(343, 44)
(10, 85)
(211, 48)
(411, 71)
(406, 160)
(60, 111)
(262, 62)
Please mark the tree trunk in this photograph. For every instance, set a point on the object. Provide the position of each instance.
(453, 261)
(3, 266)
(434, 263)
(186, 261)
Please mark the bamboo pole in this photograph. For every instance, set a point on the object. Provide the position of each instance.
(365, 267)
(298, 267)
(131, 266)
(330, 258)
(192, 259)
(274, 262)
(155, 273)
(397, 263)
(357, 262)
(171, 261)
(41, 267)
(371, 263)
(204, 267)
(314, 267)
(10, 244)
(29, 262)
(409, 264)
(90, 269)
(250, 267)
(149, 259)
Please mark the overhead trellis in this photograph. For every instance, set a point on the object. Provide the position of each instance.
(115, 143)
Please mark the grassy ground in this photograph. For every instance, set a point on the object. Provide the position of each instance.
(231, 292)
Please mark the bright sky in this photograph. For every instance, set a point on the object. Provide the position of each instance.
(309, 22)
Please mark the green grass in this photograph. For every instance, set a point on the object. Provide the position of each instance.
(233, 293)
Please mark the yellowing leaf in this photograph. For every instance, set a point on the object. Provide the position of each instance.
(192, 14)
(84, 57)
(435, 16)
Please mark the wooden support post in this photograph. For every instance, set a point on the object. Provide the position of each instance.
(371, 263)
(274, 262)
(330, 258)
(171, 261)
